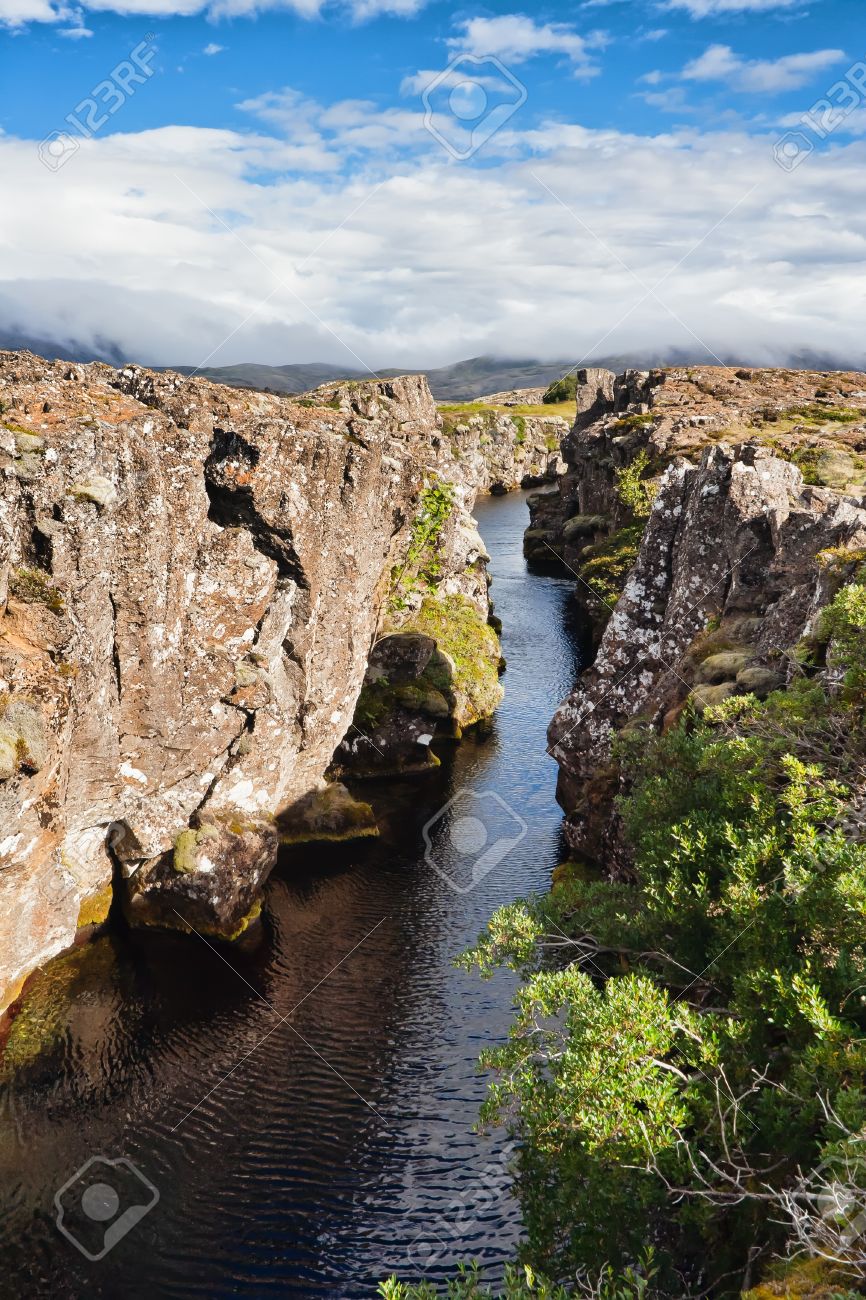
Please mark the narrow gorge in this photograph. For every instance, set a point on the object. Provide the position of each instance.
(251, 671)
(192, 581)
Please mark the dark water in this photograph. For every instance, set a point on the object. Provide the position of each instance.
(305, 1110)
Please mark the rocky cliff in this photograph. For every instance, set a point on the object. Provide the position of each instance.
(708, 516)
(191, 581)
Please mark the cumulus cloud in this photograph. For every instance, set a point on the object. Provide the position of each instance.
(515, 38)
(184, 244)
(18, 13)
(760, 76)
(714, 8)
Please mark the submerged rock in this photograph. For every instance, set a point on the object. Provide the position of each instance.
(329, 814)
(211, 881)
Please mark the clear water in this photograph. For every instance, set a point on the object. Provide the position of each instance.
(305, 1107)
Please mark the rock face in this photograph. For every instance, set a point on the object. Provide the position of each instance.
(500, 449)
(734, 554)
(191, 578)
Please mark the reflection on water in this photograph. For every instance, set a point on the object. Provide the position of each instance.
(305, 1107)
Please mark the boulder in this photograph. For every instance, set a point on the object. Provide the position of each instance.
(703, 696)
(328, 814)
(211, 881)
(759, 681)
(723, 667)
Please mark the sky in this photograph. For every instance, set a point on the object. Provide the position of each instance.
(397, 183)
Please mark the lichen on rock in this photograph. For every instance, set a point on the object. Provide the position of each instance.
(727, 575)
(191, 580)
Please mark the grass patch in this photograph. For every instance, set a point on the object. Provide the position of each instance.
(565, 410)
(815, 413)
(629, 423)
(606, 565)
(32, 586)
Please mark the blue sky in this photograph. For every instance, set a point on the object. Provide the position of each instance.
(277, 169)
(333, 56)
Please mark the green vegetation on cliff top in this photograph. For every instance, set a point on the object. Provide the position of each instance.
(564, 410)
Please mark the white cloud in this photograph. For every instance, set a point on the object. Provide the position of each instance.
(17, 13)
(408, 259)
(515, 38)
(713, 8)
(212, 48)
(760, 76)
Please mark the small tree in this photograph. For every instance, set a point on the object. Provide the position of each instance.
(562, 390)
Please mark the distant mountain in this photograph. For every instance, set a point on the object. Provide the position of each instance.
(464, 380)
(480, 375)
(459, 382)
(102, 350)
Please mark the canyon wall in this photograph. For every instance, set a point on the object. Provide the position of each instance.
(708, 517)
(191, 581)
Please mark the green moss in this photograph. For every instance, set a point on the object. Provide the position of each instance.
(630, 423)
(605, 567)
(186, 846)
(804, 1279)
(94, 910)
(815, 413)
(471, 668)
(838, 559)
(40, 1019)
(243, 924)
(520, 425)
(834, 467)
(33, 587)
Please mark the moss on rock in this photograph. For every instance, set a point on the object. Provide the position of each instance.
(606, 565)
(94, 909)
(703, 697)
(723, 667)
(467, 664)
(328, 815)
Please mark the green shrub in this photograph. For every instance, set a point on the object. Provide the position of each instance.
(561, 390)
(631, 487)
(421, 568)
(690, 1023)
(606, 565)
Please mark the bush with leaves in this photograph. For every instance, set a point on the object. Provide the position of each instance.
(561, 390)
(633, 489)
(680, 1044)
